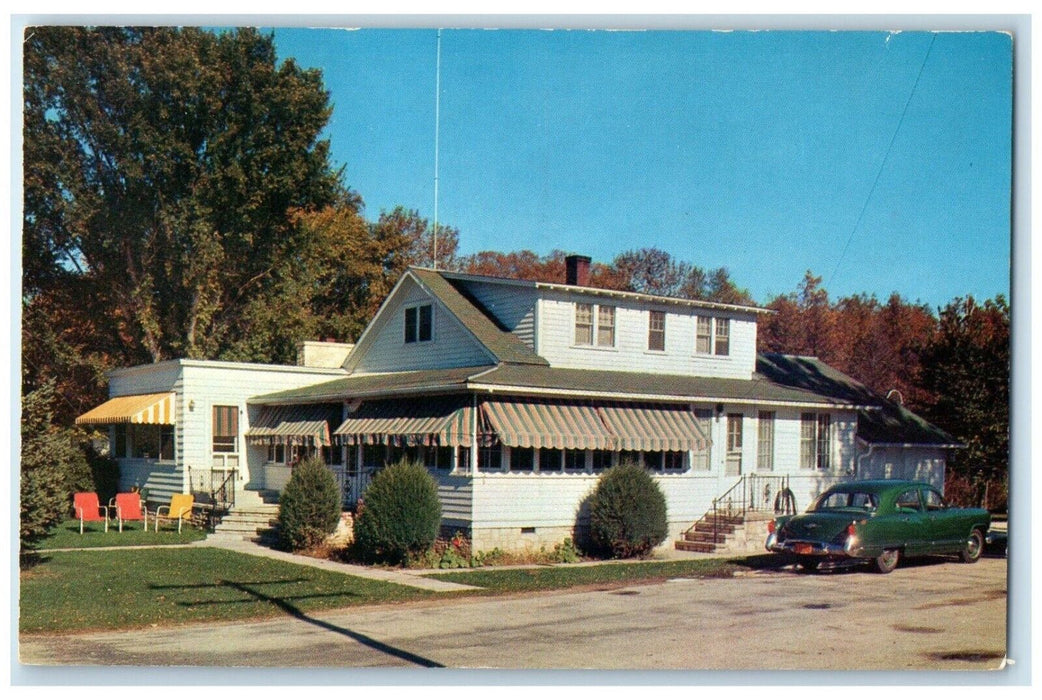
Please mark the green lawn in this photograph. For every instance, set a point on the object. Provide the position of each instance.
(67, 535)
(115, 589)
(556, 577)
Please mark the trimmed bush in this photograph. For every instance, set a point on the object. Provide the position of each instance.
(400, 515)
(627, 512)
(309, 507)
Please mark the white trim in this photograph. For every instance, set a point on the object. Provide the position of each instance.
(222, 364)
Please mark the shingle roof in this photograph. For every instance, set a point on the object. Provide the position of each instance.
(384, 384)
(889, 422)
(503, 344)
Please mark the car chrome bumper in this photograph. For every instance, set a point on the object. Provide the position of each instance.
(817, 549)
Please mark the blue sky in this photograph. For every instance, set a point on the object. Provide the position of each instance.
(879, 161)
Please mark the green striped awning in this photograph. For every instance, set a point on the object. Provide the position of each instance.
(653, 428)
(555, 425)
(442, 421)
(303, 425)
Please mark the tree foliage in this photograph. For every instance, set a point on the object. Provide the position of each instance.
(162, 167)
(53, 468)
(967, 367)
(309, 505)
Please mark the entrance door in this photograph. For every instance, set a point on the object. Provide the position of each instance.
(733, 465)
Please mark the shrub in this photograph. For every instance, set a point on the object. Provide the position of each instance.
(401, 514)
(627, 512)
(309, 507)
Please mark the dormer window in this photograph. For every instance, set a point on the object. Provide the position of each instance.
(595, 322)
(418, 323)
(657, 330)
(712, 336)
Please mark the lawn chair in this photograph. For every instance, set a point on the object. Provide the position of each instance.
(127, 506)
(180, 508)
(89, 510)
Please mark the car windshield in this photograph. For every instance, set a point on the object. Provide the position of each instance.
(845, 500)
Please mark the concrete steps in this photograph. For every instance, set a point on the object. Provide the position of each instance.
(735, 534)
(249, 521)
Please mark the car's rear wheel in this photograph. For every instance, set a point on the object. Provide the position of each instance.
(887, 561)
(974, 546)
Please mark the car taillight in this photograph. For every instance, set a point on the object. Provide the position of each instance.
(771, 527)
(852, 529)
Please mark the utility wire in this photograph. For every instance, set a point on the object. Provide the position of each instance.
(882, 164)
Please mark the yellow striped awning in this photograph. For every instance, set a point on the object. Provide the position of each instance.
(149, 409)
(653, 428)
(554, 425)
(295, 425)
(444, 421)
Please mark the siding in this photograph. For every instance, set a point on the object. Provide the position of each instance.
(914, 463)
(556, 335)
(457, 498)
(452, 345)
(513, 306)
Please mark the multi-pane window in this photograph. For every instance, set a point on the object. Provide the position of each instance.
(700, 460)
(601, 460)
(225, 428)
(606, 326)
(723, 336)
(703, 335)
(765, 441)
(673, 461)
(657, 330)
(594, 322)
(815, 440)
(277, 452)
(584, 324)
(418, 323)
(734, 432)
(490, 458)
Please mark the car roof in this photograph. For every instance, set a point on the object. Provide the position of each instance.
(878, 486)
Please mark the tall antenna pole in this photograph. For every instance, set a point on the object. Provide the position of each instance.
(437, 130)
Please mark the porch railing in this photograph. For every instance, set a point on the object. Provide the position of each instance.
(214, 490)
(753, 492)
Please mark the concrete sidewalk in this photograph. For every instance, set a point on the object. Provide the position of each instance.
(399, 576)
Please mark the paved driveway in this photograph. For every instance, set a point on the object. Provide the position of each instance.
(935, 614)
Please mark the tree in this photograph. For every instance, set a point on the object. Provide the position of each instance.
(415, 238)
(161, 169)
(53, 468)
(967, 367)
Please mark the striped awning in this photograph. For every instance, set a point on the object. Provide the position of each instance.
(295, 425)
(148, 409)
(555, 425)
(442, 421)
(653, 428)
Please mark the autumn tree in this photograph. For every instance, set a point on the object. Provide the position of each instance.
(967, 367)
(416, 239)
(162, 168)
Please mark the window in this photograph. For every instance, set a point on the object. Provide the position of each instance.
(151, 441)
(277, 453)
(601, 460)
(703, 335)
(522, 459)
(933, 500)
(490, 458)
(550, 460)
(701, 459)
(333, 454)
(225, 428)
(657, 330)
(584, 324)
(604, 330)
(815, 440)
(462, 460)
(723, 336)
(119, 441)
(908, 499)
(765, 441)
(575, 460)
(673, 461)
(374, 455)
(418, 323)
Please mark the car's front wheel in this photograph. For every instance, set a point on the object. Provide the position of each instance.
(887, 561)
(974, 546)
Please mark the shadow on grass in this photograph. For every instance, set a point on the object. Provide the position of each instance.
(284, 604)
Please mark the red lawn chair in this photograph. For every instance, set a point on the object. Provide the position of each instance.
(128, 507)
(89, 510)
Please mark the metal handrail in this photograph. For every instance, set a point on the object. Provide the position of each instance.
(222, 494)
(746, 491)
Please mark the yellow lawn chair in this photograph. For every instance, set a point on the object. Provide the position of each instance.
(180, 508)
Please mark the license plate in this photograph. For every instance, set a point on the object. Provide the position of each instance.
(802, 548)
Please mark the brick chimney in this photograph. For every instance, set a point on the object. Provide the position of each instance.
(577, 270)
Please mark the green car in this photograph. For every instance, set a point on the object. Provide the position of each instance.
(879, 521)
